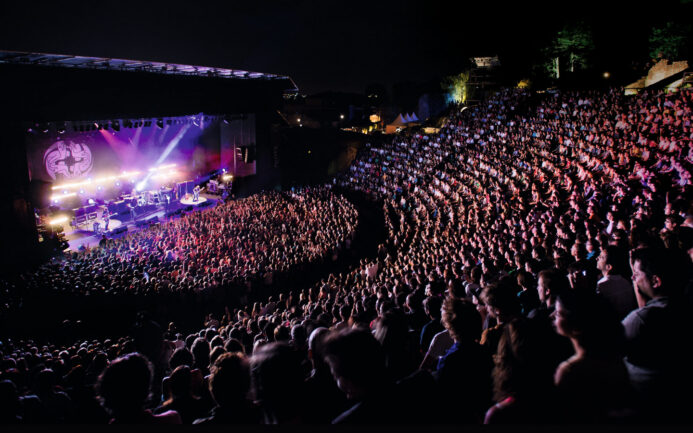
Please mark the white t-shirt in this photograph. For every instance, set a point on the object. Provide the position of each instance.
(440, 344)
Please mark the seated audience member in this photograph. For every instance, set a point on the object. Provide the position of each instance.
(181, 398)
(523, 376)
(432, 307)
(528, 297)
(125, 388)
(503, 305)
(616, 289)
(323, 395)
(593, 384)
(550, 283)
(200, 351)
(10, 408)
(440, 344)
(57, 406)
(657, 334)
(278, 383)
(400, 347)
(181, 356)
(464, 372)
(229, 384)
(357, 362)
(80, 390)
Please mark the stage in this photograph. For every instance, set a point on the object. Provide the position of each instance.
(188, 201)
(84, 235)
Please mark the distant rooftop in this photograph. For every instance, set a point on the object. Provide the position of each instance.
(82, 62)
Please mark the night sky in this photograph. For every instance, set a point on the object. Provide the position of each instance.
(324, 45)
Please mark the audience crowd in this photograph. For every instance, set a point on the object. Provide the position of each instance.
(231, 245)
(537, 270)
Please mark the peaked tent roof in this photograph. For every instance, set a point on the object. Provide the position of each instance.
(413, 117)
(399, 120)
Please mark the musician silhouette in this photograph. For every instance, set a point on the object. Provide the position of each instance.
(106, 219)
(132, 211)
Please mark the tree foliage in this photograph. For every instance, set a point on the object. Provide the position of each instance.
(669, 41)
(571, 48)
(456, 87)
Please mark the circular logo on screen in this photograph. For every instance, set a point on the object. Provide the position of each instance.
(70, 160)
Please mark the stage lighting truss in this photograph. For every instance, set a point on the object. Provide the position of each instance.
(121, 65)
(90, 126)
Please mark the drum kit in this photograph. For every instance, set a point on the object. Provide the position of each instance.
(155, 197)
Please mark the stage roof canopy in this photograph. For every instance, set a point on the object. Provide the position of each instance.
(82, 62)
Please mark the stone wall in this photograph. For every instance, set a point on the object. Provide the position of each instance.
(663, 70)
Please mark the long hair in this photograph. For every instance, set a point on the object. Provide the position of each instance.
(522, 365)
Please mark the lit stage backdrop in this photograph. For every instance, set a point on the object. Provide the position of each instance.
(195, 144)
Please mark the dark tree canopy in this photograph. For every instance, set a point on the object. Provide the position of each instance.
(669, 41)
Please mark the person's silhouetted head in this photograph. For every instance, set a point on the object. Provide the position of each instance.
(461, 319)
(278, 381)
(357, 361)
(229, 380)
(125, 384)
(589, 320)
(180, 382)
(181, 356)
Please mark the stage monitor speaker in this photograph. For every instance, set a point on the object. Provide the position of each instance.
(120, 229)
(118, 207)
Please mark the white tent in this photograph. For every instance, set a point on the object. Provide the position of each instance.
(396, 124)
(407, 118)
(399, 121)
(413, 117)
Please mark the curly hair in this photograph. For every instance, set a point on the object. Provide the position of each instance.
(125, 384)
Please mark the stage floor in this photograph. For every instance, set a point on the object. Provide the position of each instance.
(189, 201)
(89, 227)
(84, 235)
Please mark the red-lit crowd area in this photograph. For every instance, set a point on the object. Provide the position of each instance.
(536, 270)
